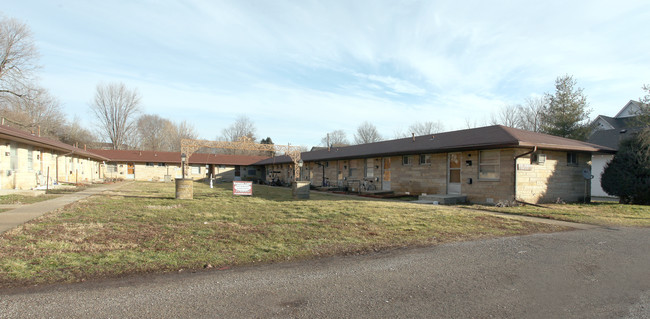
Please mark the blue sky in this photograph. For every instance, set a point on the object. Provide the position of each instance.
(300, 69)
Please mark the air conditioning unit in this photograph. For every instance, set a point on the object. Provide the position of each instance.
(538, 159)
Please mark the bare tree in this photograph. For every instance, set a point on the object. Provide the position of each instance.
(508, 116)
(335, 138)
(469, 123)
(531, 114)
(425, 128)
(37, 110)
(367, 133)
(243, 127)
(115, 107)
(18, 57)
(183, 130)
(73, 133)
(154, 132)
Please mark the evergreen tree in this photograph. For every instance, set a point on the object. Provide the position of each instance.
(643, 115)
(628, 174)
(567, 113)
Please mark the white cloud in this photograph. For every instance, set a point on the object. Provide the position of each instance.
(301, 69)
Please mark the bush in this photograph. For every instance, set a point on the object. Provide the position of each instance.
(627, 175)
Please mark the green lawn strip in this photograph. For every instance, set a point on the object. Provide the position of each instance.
(71, 188)
(142, 228)
(603, 213)
(24, 199)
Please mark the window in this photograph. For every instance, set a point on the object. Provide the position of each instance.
(196, 170)
(572, 159)
(149, 164)
(425, 159)
(30, 159)
(406, 160)
(14, 156)
(111, 168)
(161, 164)
(488, 168)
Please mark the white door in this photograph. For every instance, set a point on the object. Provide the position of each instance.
(453, 174)
(385, 183)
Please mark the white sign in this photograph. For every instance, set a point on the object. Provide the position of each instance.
(242, 188)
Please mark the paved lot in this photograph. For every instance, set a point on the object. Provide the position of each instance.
(595, 273)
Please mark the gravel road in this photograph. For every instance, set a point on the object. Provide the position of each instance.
(597, 273)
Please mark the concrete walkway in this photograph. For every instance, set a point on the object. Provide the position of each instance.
(504, 215)
(25, 213)
(536, 219)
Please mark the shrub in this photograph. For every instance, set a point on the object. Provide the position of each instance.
(627, 175)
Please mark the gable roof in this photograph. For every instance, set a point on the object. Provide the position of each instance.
(175, 157)
(489, 137)
(630, 109)
(619, 123)
(611, 138)
(21, 136)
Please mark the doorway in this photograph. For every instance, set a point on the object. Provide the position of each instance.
(453, 174)
(385, 172)
(130, 170)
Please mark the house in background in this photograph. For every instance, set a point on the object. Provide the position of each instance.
(486, 165)
(160, 166)
(26, 158)
(610, 131)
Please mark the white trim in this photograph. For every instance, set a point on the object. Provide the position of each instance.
(497, 165)
(631, 113)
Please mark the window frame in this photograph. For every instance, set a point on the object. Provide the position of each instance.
(427, 159)
(407, 160)
(572, 159)
(496, 163)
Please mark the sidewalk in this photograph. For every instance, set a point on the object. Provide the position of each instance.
(25, 213)
(537, 219)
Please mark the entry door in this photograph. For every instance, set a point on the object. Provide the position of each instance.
(453, 174)
(130, 170)
(385, 181)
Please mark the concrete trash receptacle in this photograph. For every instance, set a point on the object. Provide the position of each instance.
(300, 190)
(184, 188)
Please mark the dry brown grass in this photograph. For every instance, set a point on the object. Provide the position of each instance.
(144, 229)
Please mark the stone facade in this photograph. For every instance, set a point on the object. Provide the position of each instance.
(150, 171)
(24, 166)
(554, 179)
(487, 180)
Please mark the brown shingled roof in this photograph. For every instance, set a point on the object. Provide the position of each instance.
(489, 137)
(175, 157)
(15, 134)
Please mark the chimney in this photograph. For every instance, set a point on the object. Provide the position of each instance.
(413, 134)
(39, 131)
(84, 147)
(328, 142)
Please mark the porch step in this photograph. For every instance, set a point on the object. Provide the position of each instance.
(378, 193)
(443, 199)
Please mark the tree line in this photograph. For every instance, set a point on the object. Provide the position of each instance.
(27, 105)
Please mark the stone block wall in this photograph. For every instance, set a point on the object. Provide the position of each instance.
(556, 178)
(416, 178)
(32, 164)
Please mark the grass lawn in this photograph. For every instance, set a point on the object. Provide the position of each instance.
(67, 189)
(142, 228)
(603, 213)
(24, 199)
